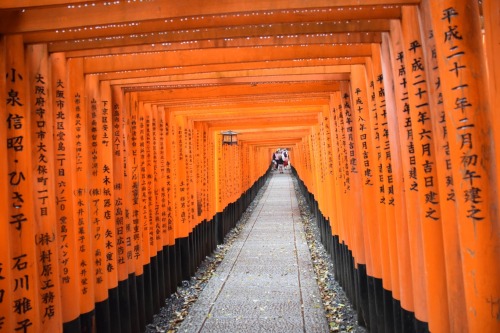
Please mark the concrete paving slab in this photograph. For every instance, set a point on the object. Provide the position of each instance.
(266, 282)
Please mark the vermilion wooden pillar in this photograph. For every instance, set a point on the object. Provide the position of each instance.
(463, 77)
(154, 204)
(393, 97)
(359, 219)
(147, 204)
(379, 141)
(447, 198)
(337, 164)
(77, 104)
(134, 182)
(491, 16)
(390, 201)
(123, 221)
(25, 284)
(424, 139)
(97, 199)
(44, 164)
(408, 159)
(67, 224)
(368, 168)
(164, 202)
(5, 256)
(170, 182)
(330, 212)
(105, 122)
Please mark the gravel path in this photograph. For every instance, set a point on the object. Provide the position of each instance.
(340, 315)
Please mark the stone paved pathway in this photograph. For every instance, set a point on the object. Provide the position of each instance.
(266, 282)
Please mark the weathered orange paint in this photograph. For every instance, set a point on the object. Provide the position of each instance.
(77, 105)
(67, 225)
(96, 190)
(5, 255)
(395, 105)
(413, 213)
(462, 68)
(440, 123)
(43, 159)
(25, 282)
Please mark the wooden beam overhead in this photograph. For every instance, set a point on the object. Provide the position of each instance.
(226, 56)
(247, 80)
(106, 13)
(369, 33)
(238, 112)
(257, 75)
(319, 65)
(167, 93)
(290, 100)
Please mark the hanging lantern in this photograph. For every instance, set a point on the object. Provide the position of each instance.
(229, 138)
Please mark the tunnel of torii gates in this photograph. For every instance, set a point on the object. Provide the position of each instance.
(115, 184)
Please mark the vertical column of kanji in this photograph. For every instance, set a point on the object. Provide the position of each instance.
(424, 137)
(182, 214)
(307, 164)
(205, 161)
(66, 224)
(345, 196)
(337, 167)
(323, 139)
(356, 127)
(77, 104)
(326, 180)
(403, 319)
(24, 285)
(328, 169)
(169, 174)
(212, 183)
(321, 175)
(160, 216)
(386, 104)
(43, 157)
(105, 122)
(96, 203)
(318, 172)
(341, 188)
(162, 165)
(386, 217)
(440, 123)
(386, 187)
(174, 164)
(408, 159)
(198, 174)
(190, 194)
(356, 201)
(133, 209)
(217, 148)
(205, 148)
(147, 206)
(154, 205)
(368, 159)
(491, 16)
(463, 76)
(123, 230)
(6, 320)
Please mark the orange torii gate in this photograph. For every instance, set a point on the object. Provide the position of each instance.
(116, 183)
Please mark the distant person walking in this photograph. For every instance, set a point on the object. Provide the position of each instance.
(285, 158)
(279, 156)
